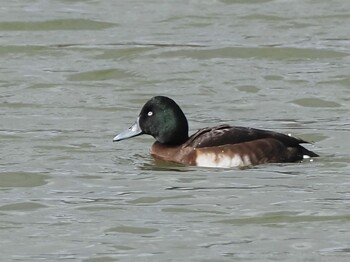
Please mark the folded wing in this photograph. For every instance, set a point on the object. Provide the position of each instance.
(229, 135)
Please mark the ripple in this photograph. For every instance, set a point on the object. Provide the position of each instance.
(18, 49)
(245, 2)
(264, 17)
(189, 210)
(282, 217)
(341, 80)
(273, 77)
(271, 53)
(124, 53)
(100, 75)
(19, 105)
(330, 251)
(101, 259)
(151, 200)
(58, 24)
(23, 206)
(22, 179)
(315, 102)
(132, 230)
(248, 89)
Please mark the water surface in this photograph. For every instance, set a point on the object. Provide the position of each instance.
(75, 73)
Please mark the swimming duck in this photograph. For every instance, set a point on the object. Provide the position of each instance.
(220, 146)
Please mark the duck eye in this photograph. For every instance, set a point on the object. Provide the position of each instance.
(150, 113)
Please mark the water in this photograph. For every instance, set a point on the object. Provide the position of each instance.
(75, 73)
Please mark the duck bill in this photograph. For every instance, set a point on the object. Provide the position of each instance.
(134, 130)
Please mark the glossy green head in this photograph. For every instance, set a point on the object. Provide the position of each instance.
(161, 118)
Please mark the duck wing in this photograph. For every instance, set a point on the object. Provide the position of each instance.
(229, 135)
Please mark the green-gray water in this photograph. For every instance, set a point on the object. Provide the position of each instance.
(75, 73)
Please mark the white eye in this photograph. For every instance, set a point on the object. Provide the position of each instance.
(150, 113)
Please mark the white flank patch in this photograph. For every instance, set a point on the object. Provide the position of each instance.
(246, 160)
(222, 160)
(306, 156)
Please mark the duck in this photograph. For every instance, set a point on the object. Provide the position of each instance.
(222, 146)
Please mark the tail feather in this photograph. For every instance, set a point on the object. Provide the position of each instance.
(306, 152)
(298, 153)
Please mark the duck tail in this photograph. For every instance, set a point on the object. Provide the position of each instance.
(307, 153)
